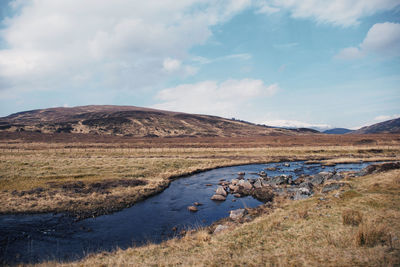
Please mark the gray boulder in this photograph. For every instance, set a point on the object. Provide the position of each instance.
(233, 188)
(218, 197)
(281, 179)
(192, 208)
(265, 182)
(245, 184)
(264, 194)
(330, 187)
(258, 183)
(220, 228)
(237, 214)
(337, 177)
(307, 185)
(302, 193)
(221, 191)
(321, 178)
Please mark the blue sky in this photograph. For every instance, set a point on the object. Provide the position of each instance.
(308, 63)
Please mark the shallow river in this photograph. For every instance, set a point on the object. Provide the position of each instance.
(36, 238)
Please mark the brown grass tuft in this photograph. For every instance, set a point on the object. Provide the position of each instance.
(350, 194)
(371, 234)
(303, 214)
(352, 217)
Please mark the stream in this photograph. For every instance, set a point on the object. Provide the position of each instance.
(41, 237)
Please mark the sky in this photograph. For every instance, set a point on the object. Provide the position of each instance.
(290, 63)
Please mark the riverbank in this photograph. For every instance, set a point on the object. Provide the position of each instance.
(359, 226)
(90, 180)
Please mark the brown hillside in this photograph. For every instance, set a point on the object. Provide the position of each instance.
(390, 126)
(132, 121)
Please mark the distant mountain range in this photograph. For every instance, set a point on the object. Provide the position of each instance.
(390, 126)
(134, 121)
(338, 131)
(147, 122)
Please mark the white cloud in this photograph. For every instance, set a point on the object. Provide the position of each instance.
(244, 56)
(265, 8)
(119, 44)
(204, 60)
(382, 39)
(210, 97)
(296, 124)
(350, 53)
(171, 65)
(339, 12)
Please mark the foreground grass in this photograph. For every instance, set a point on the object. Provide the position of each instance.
(48, 177)
(359, 226)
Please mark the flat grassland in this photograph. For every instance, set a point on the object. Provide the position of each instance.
(102, 175)
(359, 226)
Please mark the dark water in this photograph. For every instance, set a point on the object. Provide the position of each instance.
(36, 238)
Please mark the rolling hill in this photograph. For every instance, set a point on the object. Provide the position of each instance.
(133, 121)
(390, 126)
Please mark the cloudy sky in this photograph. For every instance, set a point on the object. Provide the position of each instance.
(279, 62)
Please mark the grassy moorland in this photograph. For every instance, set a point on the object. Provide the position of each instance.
(359, 225)
(91, 178)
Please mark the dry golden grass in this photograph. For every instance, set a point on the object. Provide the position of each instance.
(371, 234)
(296, 233)
(352, 217)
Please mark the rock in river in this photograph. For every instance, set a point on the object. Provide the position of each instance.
(258, 184)
(218, 197)
(234, 181)
(245, 184)
(282, 179)
(221, 191)
(263, 194)
(233, 188)
(192, 209)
